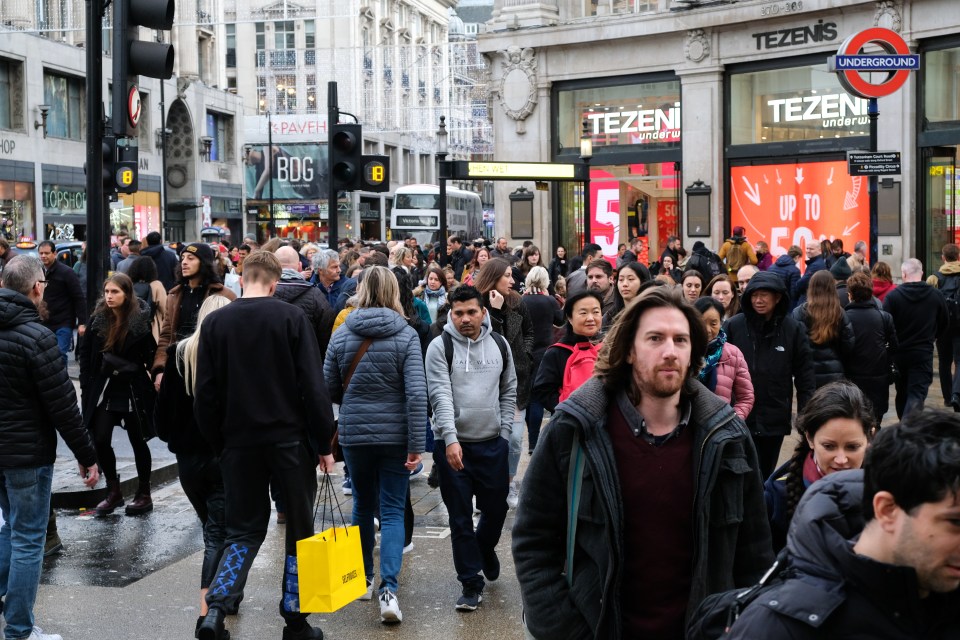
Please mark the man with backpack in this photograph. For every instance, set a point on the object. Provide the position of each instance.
(873, 553)
(644, 495)
(704, 261)
(473, 393)
(920, 316)
(737, 252)
(948, 344)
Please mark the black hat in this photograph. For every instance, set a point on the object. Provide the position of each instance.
(201, 250)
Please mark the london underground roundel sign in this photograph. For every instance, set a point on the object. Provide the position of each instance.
(897, 63)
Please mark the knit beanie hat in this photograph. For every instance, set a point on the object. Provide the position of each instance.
(201, 250)
(841, 270)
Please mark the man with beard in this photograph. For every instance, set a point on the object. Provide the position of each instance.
(666, 499)
(600, 279)
(64, 304)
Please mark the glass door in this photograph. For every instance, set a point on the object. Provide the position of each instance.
(940, 204)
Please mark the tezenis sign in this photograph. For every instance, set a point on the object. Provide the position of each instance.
(820, 32)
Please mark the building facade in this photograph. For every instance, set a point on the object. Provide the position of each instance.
(735, 99)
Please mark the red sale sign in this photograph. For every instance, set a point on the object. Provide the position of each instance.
(799, 203)
(605, 213)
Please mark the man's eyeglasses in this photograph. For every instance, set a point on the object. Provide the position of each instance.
(41, 282)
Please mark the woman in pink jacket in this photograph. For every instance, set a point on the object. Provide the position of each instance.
(724, 368)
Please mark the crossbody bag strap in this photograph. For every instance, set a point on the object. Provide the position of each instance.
(356, 360)
(574, 484)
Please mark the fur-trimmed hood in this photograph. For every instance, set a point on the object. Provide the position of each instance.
(137, 324)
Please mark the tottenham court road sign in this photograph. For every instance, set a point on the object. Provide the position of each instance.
(898, 62)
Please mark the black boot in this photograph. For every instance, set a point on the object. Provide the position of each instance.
(114, 498)
(211, 627)
(433, 479)
(142, 502)
(53, 545)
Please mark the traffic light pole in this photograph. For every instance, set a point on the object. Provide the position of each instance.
(333, 118)
(98, 257)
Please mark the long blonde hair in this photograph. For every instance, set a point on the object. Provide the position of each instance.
(379, 288)
(187, 348)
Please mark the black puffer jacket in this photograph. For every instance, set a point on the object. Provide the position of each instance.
(778, 355)
(836, 593)
(138, 348)
(321, 315)
(38, 397)
(829, 358)
(516, 326)
(176, 423)
(875, 342)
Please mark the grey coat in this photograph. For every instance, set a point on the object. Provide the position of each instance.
(731, 531)
(386, 402)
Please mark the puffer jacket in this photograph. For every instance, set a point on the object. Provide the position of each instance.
(829, 358)
(515, 325)
(386, 401)
(875, 342)
(294, 289)
(138, 348)
(787, 269)
(38, 398)
(777, 352)
(833, 592)
(173, 413)
(732, 535)
(733, 381)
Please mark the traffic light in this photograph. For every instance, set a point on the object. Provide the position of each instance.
(133, 57)
(125, 168)
(108, 160)
(376, 173)
(346, 156)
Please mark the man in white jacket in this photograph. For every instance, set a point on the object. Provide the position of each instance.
(468, 367)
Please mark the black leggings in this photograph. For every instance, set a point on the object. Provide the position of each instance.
(101, 428)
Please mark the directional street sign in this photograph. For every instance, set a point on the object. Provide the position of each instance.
(873, 163)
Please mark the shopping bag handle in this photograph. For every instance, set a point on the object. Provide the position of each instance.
(327, 494)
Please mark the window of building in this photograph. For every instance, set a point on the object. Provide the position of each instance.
(220, 128)
(11, 94)
(261, 29)
(311, 93)
(286, 96)
(284, 35)
(942, 86)
(65, 95)
(262, 95)
(231, 46)
(309, 34)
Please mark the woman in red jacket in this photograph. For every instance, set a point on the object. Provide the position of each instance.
(724, 368)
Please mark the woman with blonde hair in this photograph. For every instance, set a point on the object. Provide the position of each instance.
(546, 313)
(830, 332)
(198, 465)
(383, 407)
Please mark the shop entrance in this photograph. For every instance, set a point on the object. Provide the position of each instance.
(940, 193)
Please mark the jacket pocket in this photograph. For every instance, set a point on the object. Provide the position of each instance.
(727, 504)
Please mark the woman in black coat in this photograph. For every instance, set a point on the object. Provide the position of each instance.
(545, 312)
(115, 357)
(558, 267)
(875, 344)
(829, 330)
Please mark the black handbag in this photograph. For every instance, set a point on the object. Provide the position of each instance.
(143, 399)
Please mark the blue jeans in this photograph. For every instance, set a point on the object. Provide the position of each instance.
(25, 504)
(534, 420)
(64, 342)
(380, 467)
(516, 441)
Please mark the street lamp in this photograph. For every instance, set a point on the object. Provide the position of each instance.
(442, 151)
(586, 152)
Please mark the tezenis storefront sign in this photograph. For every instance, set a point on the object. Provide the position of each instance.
(832, 110)
(820, 32)
(662, 123)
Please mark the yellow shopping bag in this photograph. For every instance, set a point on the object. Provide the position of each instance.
(330, 570)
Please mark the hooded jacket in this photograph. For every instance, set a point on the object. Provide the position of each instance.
(166, 262)
(834, 592)
(799, 294)
(293, 288)
(38, 398)
(917, 332)
(787, 269)
(462, 395)
(731, 532)
(386, 400)
(881, 288)
(778, 355)
(829, 358)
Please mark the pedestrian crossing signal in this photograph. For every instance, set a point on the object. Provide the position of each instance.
(126, 177)
(376, 174)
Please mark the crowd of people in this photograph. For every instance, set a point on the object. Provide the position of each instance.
(670, 387)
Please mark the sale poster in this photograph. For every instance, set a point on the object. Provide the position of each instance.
(605, 213)
(798, 203)
(667, 224)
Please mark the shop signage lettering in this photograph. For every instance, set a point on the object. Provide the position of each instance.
(651, 124)
(834, 110)
(820, 32)
(60, 200)
(7, 146)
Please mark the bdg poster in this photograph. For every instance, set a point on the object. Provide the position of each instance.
(799, 203)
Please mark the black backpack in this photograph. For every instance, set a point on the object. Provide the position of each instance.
(145, 293)
(950, 288)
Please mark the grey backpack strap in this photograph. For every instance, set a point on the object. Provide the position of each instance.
(574, 485)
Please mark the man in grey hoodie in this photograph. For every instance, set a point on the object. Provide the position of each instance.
(467, 367)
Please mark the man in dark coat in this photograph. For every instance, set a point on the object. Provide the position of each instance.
(778, 356)
(165, 259)
(38, 402)
(873, 552)
(786, 267)
(815, 262)
(65, 301)
(294, 289)
(920, 315)
(670, 494)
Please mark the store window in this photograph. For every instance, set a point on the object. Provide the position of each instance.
(795, 104)
(16, 210)
(942, 87)
(645, 114)
(65, 95)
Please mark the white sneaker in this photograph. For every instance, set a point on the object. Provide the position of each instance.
(407, 549)
(38, 634)
(513, 495)
(389, 607)
(369, 593)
